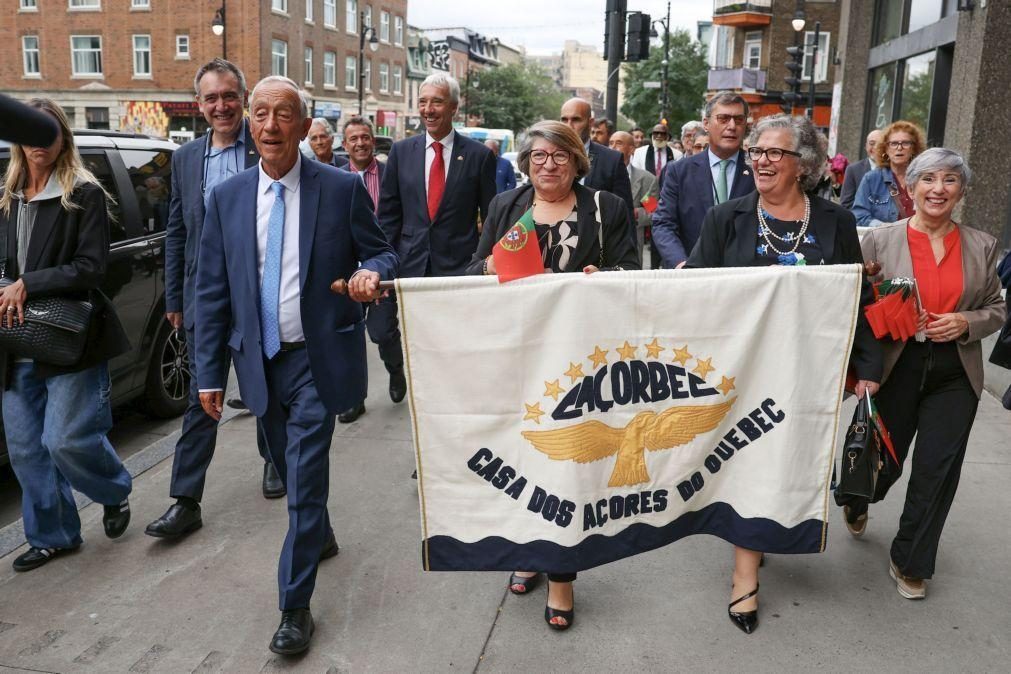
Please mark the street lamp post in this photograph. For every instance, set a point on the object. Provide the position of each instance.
(364, 32)
(814, 69)
(666, 59)
(218, 28)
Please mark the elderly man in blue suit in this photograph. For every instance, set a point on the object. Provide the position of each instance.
(274, 239)
(198, 166)
(434, 188)
(505, 176)
(695, 184)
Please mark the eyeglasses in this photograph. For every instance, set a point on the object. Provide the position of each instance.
(699, 146)
(725, 119)
(773, 153)
(540, 157)
(896, 144)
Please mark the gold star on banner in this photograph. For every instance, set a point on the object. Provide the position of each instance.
(703, 367)
(681, 356)
(626, 351)
(553, 389)
(533, 412)
(575, 371)
(727, 385)
(653, 349)
(599, 356)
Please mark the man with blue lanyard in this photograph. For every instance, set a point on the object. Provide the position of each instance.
(694, 185)
(197, 167)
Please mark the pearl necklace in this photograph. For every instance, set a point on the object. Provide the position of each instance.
(768, 234)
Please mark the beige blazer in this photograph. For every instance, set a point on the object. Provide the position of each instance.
(980, 303)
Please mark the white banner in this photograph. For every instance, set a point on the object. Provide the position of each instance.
(565, 421)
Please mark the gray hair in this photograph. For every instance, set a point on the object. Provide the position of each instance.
(691, 126)
(560, 135)
(358, 120)
(725, 98)
(325, 123)
(219, 66)
(938, 159)
(805, 141)
(288, 82)
(444, 80)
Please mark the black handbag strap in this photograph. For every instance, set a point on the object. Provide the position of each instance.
(3, 249)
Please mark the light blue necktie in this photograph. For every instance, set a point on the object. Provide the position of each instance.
(270, 286)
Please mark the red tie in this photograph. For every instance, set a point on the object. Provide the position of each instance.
(436, 181)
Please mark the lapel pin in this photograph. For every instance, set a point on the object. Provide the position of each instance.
(746, 172)
(459, 157)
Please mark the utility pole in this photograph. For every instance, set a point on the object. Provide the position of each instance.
(814, 70)
(666, 61)
(615, 40)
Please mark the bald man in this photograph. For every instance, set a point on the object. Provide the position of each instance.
(607, 167)
(855, 172)
(644, 184)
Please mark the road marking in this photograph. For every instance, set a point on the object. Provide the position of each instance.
(99, 647)
(150, 658)
(42, 643)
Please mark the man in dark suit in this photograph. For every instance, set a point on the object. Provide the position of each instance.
(321, 142)
(274, 238)
(694, 185)
(607, 167)
(856, 172)
(198, 166)
(434, 188)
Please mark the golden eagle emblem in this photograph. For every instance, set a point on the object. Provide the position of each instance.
(594, 440)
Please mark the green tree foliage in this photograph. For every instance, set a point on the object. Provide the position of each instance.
(687, 77)
(513, 96)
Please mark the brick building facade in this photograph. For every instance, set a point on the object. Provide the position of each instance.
(129, 64)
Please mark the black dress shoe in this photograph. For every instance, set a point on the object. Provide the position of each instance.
(294, 633)
(330, 548)
(177, 521)
(273, 487)
(36, 557)
(398, 385)
(747, 621)
(347, 416)
(236, 404)
(116, 518)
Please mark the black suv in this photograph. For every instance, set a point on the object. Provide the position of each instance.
(137, 172)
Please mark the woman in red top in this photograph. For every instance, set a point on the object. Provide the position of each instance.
(931, 388)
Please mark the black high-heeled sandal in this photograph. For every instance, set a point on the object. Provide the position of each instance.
(568, 616)
(528, 583)
(747, 621)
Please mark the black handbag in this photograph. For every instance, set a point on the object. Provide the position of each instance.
(861, 455)
(1001, 354)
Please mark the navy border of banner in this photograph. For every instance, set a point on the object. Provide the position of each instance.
(445, 553)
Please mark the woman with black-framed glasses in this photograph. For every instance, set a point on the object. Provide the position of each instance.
(781, 224)
(882, 196)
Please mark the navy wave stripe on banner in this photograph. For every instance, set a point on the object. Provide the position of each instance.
(718, 519)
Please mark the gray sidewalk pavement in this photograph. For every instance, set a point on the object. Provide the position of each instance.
(209, 603)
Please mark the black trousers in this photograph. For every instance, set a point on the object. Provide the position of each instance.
(927, 396)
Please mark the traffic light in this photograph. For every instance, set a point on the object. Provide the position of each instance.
(637, 48)
(795, 66)
(790, 99)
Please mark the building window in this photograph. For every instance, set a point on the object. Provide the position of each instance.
(279, 6)
(882, 96)
(330, 13)
(398, 31)
(182, 46)
(279, 57)
(140, 4)
(351, 72)
(29, 5)
(308, 66)
(329, 69)
(30, 50)
(384, 78)
(351, 20)
(384, 26)
(917, 88)
(753, 49)
(367, 16)
(398, 80)
(85, 4)
(923, 13)
(86, 55)
(722, 48)
(308, 10)
(142, 56)
(821, 74)
(367, 74)
(97, 118)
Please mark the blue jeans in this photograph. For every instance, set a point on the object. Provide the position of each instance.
(56, 436)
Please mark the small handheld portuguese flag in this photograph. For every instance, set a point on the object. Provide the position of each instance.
(517, 253)
(649, 203)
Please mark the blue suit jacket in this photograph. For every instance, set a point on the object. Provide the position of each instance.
(442, 247)
(186, 218)
(505, 177)
(337, 231)
(685, 197)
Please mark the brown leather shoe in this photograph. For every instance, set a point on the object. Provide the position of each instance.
(910, 588)
(856, 526)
